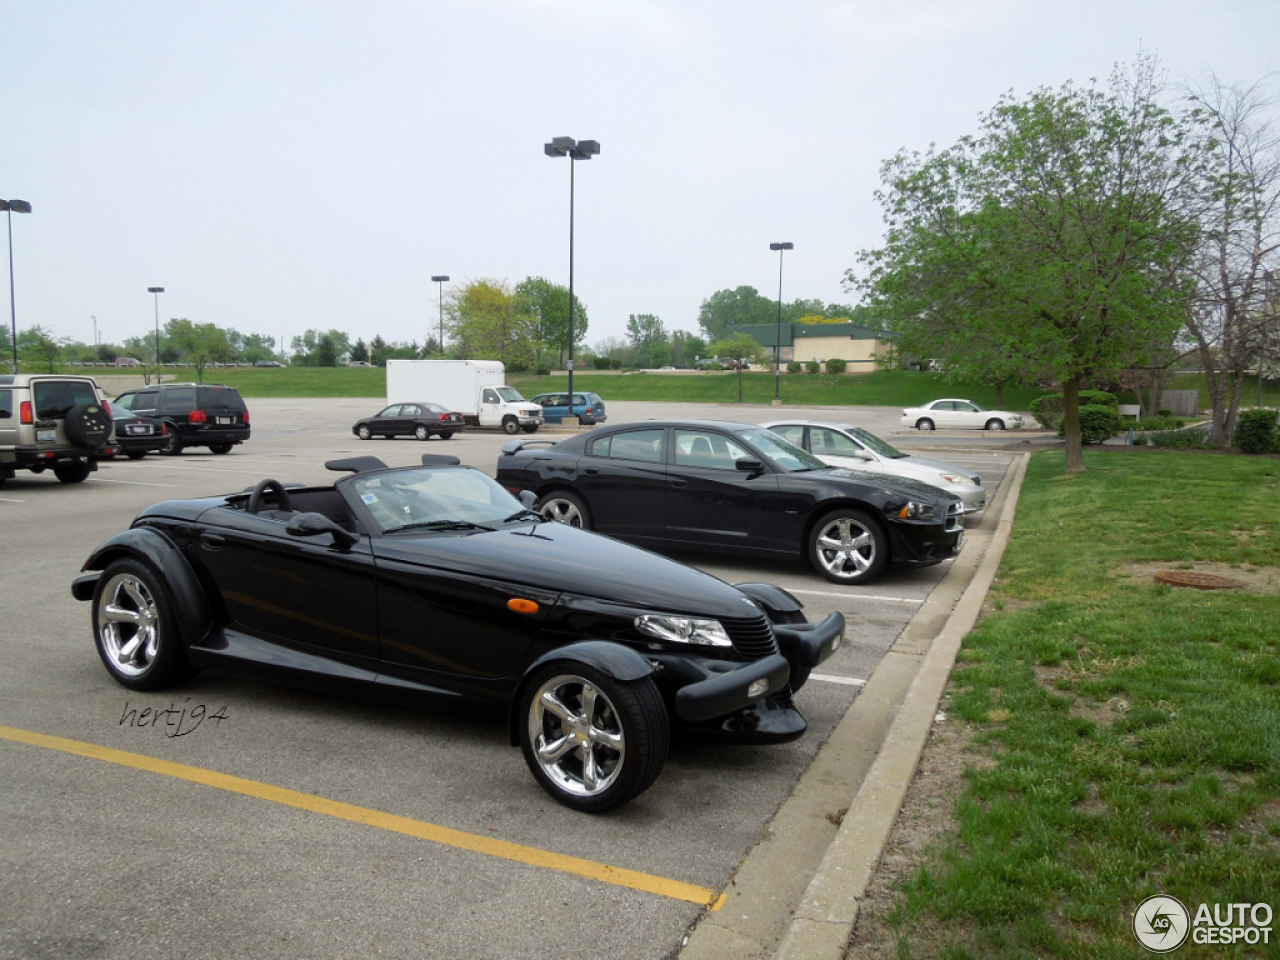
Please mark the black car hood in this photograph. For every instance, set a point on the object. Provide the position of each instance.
(557, 557)
(890, 482)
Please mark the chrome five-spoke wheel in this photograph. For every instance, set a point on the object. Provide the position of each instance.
(135, 629)
(847, 546)
(591, 741)
(577, 736)
(565, 507)
(129, 624)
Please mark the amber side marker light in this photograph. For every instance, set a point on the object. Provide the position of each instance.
(521, 605)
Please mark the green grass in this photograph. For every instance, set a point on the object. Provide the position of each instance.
(891, 388)
(881, 388)
(888, 388)
(298, 381)
(1126, 734)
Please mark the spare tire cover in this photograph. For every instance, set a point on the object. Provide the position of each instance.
(88, 424)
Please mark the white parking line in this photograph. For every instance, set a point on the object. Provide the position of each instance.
(132, 483)
(847, 681)
(852, 596)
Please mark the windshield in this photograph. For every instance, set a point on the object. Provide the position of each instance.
(784, 455)
(439, 498)
(510, 394)
(872, 442)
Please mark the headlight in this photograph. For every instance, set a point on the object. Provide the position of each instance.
(915, 510)
(706, 633)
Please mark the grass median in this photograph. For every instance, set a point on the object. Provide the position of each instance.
(1124, 734)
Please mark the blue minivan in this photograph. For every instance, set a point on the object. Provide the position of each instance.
(587, 407)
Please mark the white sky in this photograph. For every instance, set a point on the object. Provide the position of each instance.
(279, 165)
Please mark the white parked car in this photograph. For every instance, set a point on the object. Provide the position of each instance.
(959, 415)
(844, 445)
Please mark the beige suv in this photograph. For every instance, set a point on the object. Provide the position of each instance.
(53, 422)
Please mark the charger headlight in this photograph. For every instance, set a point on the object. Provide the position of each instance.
(915, 510)
(705, 633)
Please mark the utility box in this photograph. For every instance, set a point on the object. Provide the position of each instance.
(475, 388)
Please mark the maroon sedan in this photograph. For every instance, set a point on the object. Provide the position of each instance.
(420, 420)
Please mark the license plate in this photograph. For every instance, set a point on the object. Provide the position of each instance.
(138, 429)
(46, 436)
(225, 421)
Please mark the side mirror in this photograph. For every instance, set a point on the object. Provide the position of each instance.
(528, 499)
(749, 465)
(317, 524)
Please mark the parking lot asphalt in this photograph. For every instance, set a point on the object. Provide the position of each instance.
(308, 826)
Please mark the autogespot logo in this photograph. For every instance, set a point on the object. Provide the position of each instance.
(1161, 923)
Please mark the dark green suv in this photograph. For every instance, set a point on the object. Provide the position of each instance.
(196, 414)
(53, 422)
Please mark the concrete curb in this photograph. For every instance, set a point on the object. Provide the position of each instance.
(864, 770)
(825, 919)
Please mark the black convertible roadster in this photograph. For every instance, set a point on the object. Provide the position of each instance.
(434, 583)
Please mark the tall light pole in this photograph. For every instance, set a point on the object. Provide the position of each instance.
(441, 279)
(155, 293)
(574, 150)
(777, 336)
(10, 207)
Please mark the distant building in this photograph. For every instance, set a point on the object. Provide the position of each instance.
(853, 343)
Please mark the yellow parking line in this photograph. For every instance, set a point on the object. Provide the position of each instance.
(648, 883)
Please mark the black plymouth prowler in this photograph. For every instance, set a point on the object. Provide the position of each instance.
(428, 582)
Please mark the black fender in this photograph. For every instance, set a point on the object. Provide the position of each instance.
(190, 605)
(773, 598)
(616, 661)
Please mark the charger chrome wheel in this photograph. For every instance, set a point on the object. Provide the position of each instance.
(565, 507)
(847, 546)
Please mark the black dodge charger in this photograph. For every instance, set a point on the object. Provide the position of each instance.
(434, 584)
(714, 485)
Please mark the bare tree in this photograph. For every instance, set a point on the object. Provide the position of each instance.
(1228, 316)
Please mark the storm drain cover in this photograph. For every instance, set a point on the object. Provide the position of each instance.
(1200, 581)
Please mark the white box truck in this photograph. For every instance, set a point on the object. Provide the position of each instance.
(475, 388)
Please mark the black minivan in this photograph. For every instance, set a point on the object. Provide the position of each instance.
(196, 414)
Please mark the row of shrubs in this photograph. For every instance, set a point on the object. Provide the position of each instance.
(1257, 431)
(834, 365)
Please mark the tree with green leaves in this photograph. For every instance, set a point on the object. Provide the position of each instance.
(547, 306)
(199, 344)
(648, 340)
(326, 351)
(686, 348)
(40, 348)
(306, 347)
(251, 347)
(735, 308)
(1053, 246)
(740, 346)
(486, 323)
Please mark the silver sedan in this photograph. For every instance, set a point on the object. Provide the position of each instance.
(844, 445)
